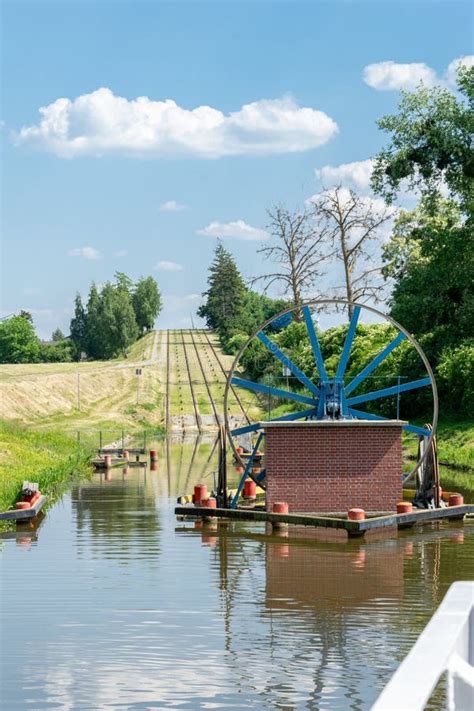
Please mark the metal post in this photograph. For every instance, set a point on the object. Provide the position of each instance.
(399, 378)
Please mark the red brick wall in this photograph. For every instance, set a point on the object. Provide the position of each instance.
(334, 468)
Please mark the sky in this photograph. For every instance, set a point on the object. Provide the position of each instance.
(136, 133)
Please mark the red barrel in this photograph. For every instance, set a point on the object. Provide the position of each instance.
(209, 503)
(154, 466)
(280, 507)
(404, 507)
(250, 489)
(455, 500)
(153, 455)
(200, 492)
(22, 505)
(356, 514)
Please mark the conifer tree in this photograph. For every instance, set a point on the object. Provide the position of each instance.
(225, 295)
(78, 325)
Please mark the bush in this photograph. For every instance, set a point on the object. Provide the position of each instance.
(456, 378)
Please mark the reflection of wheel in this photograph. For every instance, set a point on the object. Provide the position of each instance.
(324, 397)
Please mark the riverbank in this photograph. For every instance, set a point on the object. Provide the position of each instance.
(52, 458)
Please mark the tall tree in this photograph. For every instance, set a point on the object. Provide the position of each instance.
(351, 225)
(146, 302)
(57, 335)
(297, 247)
(225, 293)
(78, 326)
(94, 337)
(18, 341)
(430, 143)
(125, 329)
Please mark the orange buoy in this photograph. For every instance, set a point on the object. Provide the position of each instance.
(455, 500)
(250, 489)
(404, 507)
(22, 505)
(280, 507)
(200, 492)
(356, 514)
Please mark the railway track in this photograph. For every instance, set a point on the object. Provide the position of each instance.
(222, 369)
(190, 380)
(209, 392)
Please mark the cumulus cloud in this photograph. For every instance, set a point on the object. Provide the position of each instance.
(356, 174)
(390, 75)
(168, 267)
(85, 252)
(101, 123)
(172, 206)
(387, 76)
(451, 74)
(234, 230)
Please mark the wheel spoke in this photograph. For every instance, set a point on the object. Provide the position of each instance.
(374, 363)
(424, 431)
(313, 337)
(248, 467)
(341, 368)
(394, 390)
(300, 415)
(288, 363)
(268, 390)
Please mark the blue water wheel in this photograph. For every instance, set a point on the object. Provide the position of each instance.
(321, 391)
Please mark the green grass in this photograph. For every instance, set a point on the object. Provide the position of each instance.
(51, 458)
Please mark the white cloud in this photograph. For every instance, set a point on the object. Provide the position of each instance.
(168, 267)
(234, 230)
(356, 174)
(387, 76)
(451, 74)
(172, 206)
(121, 253)
(86, 252)
(102, 123)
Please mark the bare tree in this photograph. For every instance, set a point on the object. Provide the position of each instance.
(297, 249)
(352, 224)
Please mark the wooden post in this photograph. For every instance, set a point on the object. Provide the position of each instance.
(100, 441)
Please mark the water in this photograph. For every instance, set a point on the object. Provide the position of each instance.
(113, 604)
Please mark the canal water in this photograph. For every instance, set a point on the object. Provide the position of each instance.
(114, 604)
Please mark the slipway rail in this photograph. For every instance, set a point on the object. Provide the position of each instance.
(208, 389)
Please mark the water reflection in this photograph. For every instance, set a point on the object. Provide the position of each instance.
(135, 610)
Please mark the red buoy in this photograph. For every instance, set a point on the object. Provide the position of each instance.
(250, 489)
(200, 492)
(356, 514)
(209, 503)
(455, 500)
(153, 455)
(280, 507)
(404, 507)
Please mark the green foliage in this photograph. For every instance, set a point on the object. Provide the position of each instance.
(60, 352)
(146, 300)
(18, 341)
(225, 294)
(456, 377)
(431, 141)
(57, 335)
(115, 316)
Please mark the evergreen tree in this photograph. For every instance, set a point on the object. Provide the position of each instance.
(78, 326)
(57, 335)
(94, 337)
(225, 295)
(146, 302)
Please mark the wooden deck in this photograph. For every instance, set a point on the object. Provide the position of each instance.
(353, 528)
(24, 514)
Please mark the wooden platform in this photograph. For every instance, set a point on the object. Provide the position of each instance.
(121, 450)
(24, 514)
(353, 528)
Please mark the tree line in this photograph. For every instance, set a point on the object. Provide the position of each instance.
(424, 270)
(113, 318)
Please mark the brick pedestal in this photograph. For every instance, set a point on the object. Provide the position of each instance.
(323, 466)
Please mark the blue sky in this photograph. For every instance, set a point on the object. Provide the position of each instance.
(83, 192)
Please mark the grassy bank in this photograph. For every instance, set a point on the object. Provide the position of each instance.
(49, 457)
